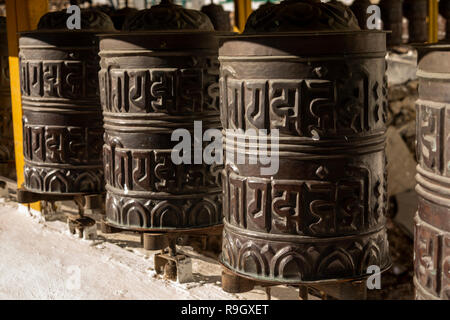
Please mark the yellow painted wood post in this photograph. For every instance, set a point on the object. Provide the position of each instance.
(242, 9)
(433, 15)
(21, 15)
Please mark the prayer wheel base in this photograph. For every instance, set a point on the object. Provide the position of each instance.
(341, 290)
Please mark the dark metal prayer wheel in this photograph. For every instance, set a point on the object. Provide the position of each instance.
(392, 17)
(417, 11)
(6, 128)
(444, 10)
(321, 217)
(432, 230)
(152, 83)
(62, 120)
(359, 8)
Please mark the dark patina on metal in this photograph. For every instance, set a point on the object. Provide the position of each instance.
(7, 166)
(62, 120)
(321, 217)
(432, 229)
(152, 83)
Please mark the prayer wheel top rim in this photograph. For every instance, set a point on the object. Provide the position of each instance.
(57, 38)
(303, 43)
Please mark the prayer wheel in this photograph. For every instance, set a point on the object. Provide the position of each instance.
(62, 119)
(306, 73)
(444, 10)
(218, 16)
(392, 17)
(158, 76)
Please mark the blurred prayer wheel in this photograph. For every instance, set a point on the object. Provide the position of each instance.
(218, 16)
(417, 11)
(359, 8)
(392, 17)
(159, 75)
(62, 120)
(444, 10)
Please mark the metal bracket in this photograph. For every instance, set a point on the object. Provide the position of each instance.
(233, 283)
(176, 268)
(26, 196)
(85, 227)
(342, 290)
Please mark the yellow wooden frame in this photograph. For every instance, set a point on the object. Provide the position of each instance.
(433, 15)
(21, 15)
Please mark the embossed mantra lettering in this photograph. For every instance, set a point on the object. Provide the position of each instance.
(62, 125)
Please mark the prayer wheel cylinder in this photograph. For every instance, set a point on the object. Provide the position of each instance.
(321, 216)
(62, 120)
(154, 82)
(417, 11)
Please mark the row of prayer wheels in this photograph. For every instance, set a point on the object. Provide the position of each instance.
(100, 109)
(392, 13)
